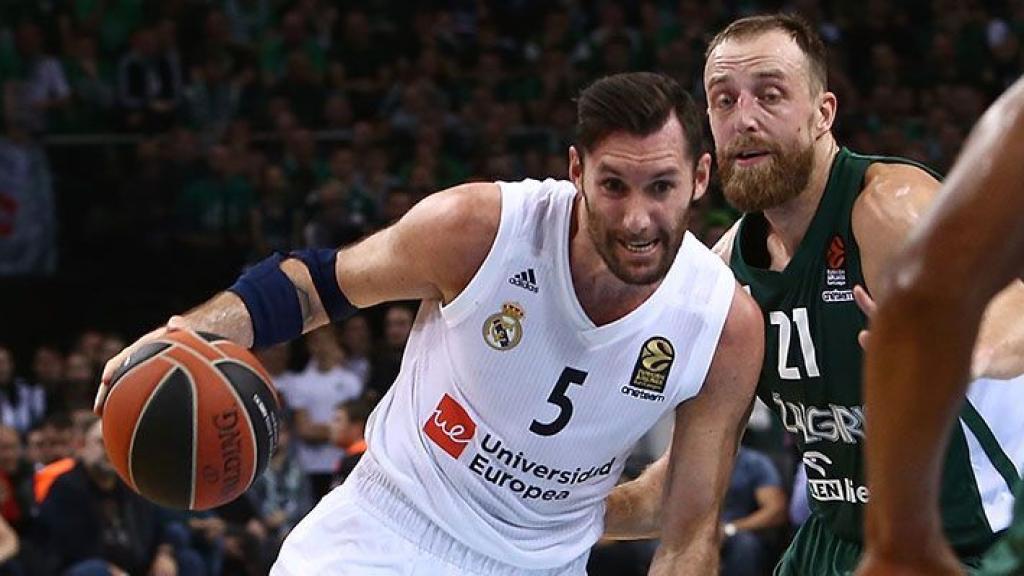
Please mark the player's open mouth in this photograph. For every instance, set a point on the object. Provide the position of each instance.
(747, 157)
(640, 247)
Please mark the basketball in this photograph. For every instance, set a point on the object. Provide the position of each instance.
(190, 421)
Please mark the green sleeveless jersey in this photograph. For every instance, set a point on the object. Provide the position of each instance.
(811, 377)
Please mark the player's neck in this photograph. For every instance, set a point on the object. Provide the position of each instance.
(602, 295)
(789, 222)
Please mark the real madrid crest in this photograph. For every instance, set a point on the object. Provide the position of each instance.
(504, 330)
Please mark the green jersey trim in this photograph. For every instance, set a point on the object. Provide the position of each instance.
(990, 445)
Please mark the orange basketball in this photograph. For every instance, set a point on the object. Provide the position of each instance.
(190, 422)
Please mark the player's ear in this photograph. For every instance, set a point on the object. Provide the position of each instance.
(576, 167)
(701, 176)
(826, 113)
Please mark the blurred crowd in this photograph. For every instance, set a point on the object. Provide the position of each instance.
(257, 125)
(63, 506)
(189, 138)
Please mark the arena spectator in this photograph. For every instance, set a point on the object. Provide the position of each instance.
(149, 82)
(17, 505)
(276, 359)
(22, 405)
(80, 381)
(91, 79)
(314, 393)
(387, 358)
(214, 210)
(754, 504)
(38, 84)
(48, 375)
(91, 523)
(347, 432)
(357, 340)
(282, 495)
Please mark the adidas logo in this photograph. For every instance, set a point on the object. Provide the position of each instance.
(525, 279)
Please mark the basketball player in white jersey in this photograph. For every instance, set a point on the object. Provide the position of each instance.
(560, 320)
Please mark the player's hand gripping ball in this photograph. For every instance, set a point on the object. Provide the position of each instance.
(190, 420)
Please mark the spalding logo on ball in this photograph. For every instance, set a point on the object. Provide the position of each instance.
(189, 421)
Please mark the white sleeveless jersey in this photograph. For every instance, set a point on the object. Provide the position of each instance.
(513, 414)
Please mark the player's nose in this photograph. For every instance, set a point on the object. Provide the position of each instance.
(747, 115)
(637, 218)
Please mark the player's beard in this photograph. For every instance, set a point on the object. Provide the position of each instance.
(607, 243)
(769, 183)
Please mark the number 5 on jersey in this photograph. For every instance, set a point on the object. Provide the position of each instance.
(803, 329)
(559, 398)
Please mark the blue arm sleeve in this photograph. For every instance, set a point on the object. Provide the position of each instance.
(272, 302)
(321, 264)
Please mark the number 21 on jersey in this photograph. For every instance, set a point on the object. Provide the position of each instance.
(803, 330)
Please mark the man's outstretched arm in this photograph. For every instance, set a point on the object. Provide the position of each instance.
(432, 252)
(919, 354)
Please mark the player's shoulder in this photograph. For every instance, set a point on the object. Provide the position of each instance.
(744, 322)
(471, 207)
(474, 210)
(895, 184)
(893, 193)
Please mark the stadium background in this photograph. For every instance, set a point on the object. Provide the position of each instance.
(150, 149)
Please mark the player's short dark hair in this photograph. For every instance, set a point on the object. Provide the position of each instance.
(805, 36)
(637, 103)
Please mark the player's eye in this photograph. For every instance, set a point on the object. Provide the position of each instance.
(724, 101)
(662, 187)
(771, 96)
(613, 185)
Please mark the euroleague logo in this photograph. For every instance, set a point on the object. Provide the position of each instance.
(450, 426)
(836, 289)
(836, 255)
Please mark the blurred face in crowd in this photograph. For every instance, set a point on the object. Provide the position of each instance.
(766, 112)
(90, 343)
(48, 366)
(10, 449)
(338, 111)
(343, 164)
(344, 431)
(274, 179)
(324, 348)
(81, 420)
(78, 369)
(93, 454)
(111, 346)
(56, 443)
(397, 325)
(221, 161)
(146, 42)
(636, 191)
(301, 145)
(355, 335)
(6, 367)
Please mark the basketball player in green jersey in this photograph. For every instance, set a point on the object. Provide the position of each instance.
(820, 220)
(919, 352)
